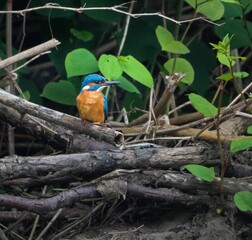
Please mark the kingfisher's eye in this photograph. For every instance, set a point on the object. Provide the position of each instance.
(99, 82)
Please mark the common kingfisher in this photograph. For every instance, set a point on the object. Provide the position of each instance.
(91, 103)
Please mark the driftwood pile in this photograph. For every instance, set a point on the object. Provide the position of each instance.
(96, 166)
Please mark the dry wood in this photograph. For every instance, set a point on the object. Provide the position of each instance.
(99, 133)
(29, 53)
(46, 169)
(235, 126)
(44, 205)
(172, 130)
(189, 183)
(112, 189)
(106, 189)
(55, 135)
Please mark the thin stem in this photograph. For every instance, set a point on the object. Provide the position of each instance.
(220, 150)
(126, 29)
(35, 224)
(10, 88)
(24, 28)
(49, 224)
(238, 88)
(179, 7)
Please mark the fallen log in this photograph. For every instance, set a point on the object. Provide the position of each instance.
(115, 188)
(25, 107)
(107, 190)
(47, 169)
(55, 135)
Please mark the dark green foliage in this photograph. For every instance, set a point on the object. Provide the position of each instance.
(152, 45)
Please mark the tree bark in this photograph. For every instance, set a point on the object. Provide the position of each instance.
(47, 169)
(66, 121)
(53, 134)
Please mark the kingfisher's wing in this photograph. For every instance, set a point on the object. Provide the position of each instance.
(105, 106)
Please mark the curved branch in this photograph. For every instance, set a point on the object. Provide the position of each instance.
(23, 106)
(113, 187)
(87, 165)
(55, 135)
(29, 53)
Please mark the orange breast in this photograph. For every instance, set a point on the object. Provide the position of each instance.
(91, 106)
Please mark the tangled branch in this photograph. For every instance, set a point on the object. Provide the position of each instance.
(116, 8)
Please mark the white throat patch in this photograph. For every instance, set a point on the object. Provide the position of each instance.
(97, 90)
(100, 88)
(85, 88)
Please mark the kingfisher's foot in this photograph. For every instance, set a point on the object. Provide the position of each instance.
(97, 123)
(103, 125)
(85, 122)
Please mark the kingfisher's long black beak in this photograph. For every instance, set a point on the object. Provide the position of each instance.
(108, 83)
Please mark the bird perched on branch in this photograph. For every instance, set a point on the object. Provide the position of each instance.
(91, 103)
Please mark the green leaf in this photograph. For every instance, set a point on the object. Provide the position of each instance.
(243, 200)
(110, 67)
(181, 65)
(80, 62)
(168, 43)
(61, 92)
(237, 57)
(136, 70)
(249, 130)
(84, 36)
(240, 144)
(201, 172)
(126, 85)
(213, 9)
(228, 76)
(231, 1)
(202, 105)
(164, 36)
(176, 47)
(223, 59)
(241, 74)
(225, 77)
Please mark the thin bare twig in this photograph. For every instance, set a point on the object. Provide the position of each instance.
(10, 88)
(115, 8)
(24, 28)
(29, 53)
(125, 29)
(49, 224)
(62, 233)
(239, 96)
(12, 232)
(35, 224)
(242, 114)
